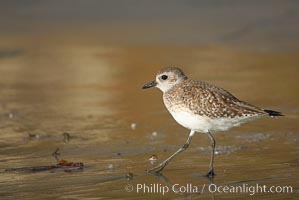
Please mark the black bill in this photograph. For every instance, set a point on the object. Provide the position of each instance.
(150, 84)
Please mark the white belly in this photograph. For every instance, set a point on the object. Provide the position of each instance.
(205, 124)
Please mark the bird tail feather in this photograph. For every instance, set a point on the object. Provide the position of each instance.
(273, 113)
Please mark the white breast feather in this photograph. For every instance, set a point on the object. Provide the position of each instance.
(205, 124)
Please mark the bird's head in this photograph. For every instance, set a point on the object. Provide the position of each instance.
(166, 78)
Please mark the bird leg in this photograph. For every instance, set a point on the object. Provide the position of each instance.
(211, 168)
(163, 164)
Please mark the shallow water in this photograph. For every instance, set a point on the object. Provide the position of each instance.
(94, 95)
(71, 77)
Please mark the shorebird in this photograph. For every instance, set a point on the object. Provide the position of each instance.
(201, 107)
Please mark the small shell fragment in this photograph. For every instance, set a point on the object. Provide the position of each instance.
(133, 126)
(153, 159)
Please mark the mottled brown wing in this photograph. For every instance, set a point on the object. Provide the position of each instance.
(209, 100)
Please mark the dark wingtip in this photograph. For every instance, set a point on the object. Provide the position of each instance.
(273, 113)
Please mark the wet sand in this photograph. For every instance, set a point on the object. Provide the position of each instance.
(94, 94)
(71, 78)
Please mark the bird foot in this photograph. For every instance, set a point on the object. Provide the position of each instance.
(157, 169)
(211, 173)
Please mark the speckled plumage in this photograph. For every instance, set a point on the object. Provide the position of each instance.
(201, 106)
(205, 99)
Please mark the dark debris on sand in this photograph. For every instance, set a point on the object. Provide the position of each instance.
(60, 165)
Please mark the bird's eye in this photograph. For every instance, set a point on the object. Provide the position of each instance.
(164, 77)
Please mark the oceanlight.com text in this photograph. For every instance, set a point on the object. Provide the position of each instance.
(189, 188)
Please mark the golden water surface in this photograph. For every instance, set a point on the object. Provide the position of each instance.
(73, 81)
